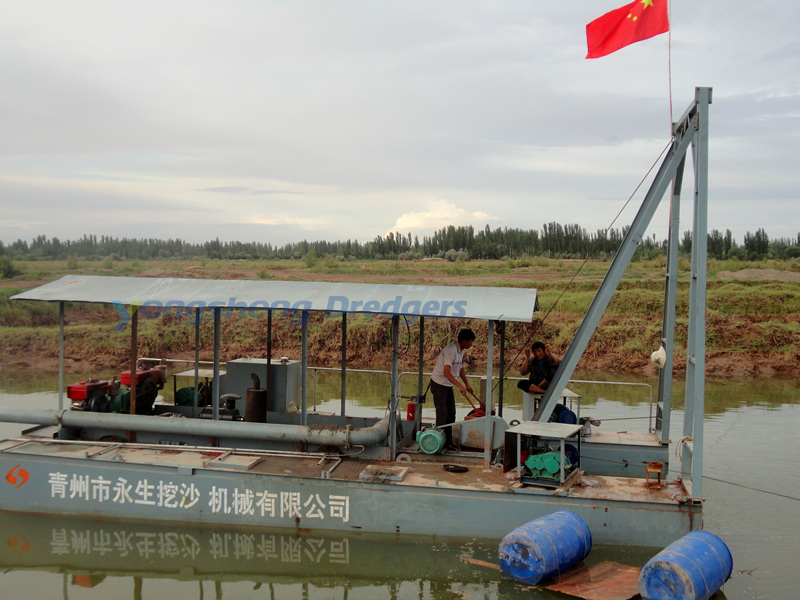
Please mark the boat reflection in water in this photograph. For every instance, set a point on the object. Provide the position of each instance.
(77, 555)
(41, 556)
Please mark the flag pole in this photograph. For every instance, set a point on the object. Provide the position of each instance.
(669, 63)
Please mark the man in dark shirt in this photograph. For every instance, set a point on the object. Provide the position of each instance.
(539, 364)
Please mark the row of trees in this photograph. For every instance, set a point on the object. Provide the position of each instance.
(454, 243)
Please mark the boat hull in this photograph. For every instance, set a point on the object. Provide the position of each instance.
(200, 486)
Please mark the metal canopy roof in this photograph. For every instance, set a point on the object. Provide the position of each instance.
(488, 303)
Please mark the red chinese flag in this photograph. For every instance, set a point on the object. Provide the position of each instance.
(635, 22)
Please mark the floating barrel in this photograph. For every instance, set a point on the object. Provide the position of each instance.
(693, 567)
(545, 547)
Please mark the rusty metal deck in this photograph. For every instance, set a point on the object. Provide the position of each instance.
(422, 471)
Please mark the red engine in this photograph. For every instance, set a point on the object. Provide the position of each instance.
(142, 375)
(81, 391)
(89, 395)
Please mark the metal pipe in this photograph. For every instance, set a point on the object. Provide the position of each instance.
(317, 434)
(314, 390)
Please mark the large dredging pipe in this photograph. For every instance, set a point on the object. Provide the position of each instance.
(324, 435)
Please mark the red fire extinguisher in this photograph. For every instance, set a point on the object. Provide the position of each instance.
(411, 411)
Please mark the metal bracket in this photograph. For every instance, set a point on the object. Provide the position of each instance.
(326, 473)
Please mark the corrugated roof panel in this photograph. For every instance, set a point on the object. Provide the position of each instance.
(505, 304)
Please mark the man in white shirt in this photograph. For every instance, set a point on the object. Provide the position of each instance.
(449, 367)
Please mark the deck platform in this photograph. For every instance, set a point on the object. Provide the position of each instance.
(424, 471)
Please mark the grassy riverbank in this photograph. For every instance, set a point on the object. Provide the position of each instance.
(752, 322)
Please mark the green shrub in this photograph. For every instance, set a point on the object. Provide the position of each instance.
(7, 268)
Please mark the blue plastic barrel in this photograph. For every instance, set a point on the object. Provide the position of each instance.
(693, 567)
(564, 415)
(545, 547)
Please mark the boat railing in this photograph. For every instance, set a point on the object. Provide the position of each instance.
(147, 359)
(315, 371)
(651, 418)
(651, 413)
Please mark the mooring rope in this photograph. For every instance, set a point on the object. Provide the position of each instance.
(743, 486)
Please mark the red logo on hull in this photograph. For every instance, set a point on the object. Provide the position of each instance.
(17, 476)
(19, 544)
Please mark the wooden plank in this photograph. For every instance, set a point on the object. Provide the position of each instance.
(604, 581)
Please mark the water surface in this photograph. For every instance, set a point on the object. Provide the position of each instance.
(751, 483)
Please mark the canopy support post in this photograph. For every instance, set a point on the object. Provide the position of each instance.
(487, 432)
(215, 384)
(304, 369)
(393, 399)
(344, 361)
(420, 376)
(60, 356)
(501, 326)
(197, 357)
(134, 343)
(268, 379)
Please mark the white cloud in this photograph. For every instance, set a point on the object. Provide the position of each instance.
(438, 214)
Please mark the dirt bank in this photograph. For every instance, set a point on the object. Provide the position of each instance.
(371, 348)
(761, 341)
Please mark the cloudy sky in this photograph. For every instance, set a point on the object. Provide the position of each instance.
(278, 121)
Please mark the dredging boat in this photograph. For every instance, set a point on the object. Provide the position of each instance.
(239, 455)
